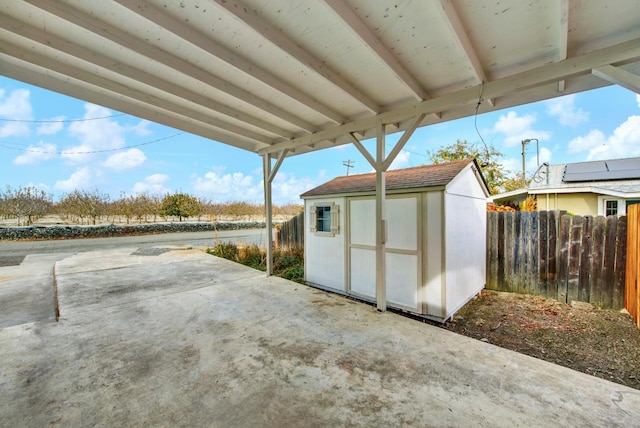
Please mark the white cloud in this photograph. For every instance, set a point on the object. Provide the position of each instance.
(517, 128)
(288, 188)
(153, 184)
(36, 154)
(565, 111)
(401, 161)
(532, 164)
(51, 127)
(512, 165)
(594, 139)
(81, 179)
(227, 187)
(15, 106)
(623, 143)
(141, 128)
(125, 160)
(94, 135)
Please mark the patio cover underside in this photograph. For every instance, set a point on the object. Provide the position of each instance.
(281, 78)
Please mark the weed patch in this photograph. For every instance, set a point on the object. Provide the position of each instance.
(288, 264)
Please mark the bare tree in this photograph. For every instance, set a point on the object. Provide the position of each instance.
(28, 203)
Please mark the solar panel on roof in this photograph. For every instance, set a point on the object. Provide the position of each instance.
(617, 169)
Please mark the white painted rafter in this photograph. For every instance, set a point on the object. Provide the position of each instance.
(619, 77)
(354, 22)
(622, 53)
(46, 78)
(563, 39)
(253, 69)
(116, 35)
(452, 20)
(287, 44)
(106, 79)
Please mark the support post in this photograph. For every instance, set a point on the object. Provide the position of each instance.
(381, 163)
(381, 239)
(269, 174)
(266, 170)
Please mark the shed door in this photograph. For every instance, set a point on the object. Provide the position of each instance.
(402, 252)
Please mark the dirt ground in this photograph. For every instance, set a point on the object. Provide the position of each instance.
(599, 342)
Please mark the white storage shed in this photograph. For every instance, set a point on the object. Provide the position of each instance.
(435, 237)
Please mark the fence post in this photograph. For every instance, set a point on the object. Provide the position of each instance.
(543, 253)
(492, 250)
(533, 256)
(563, 258)
(608, 266)
(632, 284)
(595, 293)
(619, 269)
(584, 289)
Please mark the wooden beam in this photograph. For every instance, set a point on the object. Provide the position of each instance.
(149, 51)
(618, 76)
(403, 140)
(276, 167)
(287, 44)
(348, 15)
(362, 149)
(174, 91)
(572, 67)
(563, 36)
(39, 76)
(266, 173)
(459, 32)
(381, 226)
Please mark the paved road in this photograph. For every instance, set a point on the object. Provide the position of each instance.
(10, 250)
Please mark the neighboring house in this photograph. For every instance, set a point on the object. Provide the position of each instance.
(435, 244)
(605, 187)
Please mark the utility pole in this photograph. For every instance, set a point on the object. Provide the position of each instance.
(349, 164)
(524, 142)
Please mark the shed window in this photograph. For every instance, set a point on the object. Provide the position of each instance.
(325, 219)
(610, 208)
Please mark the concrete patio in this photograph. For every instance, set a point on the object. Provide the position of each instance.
(176, 337)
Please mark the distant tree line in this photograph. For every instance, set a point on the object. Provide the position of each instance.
(28, 204)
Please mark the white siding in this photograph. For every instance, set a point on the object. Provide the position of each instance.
(402, 219)
(466, 183)
(362, 228)
(363, 272)
(435, 249)
(362, 257)
(403, 251)
(465, 237)
(433, 255)
(324, 257)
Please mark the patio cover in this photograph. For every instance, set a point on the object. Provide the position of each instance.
(280, 78)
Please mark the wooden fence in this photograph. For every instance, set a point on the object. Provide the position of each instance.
(632, 289)
(560, 256)
(291, 233)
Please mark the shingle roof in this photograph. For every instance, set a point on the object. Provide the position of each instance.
(408, 178)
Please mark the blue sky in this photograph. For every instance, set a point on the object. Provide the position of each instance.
(124, 154)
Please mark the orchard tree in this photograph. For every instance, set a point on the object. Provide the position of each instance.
(487, 156)
(84, 204)
(180, 205)
(28, 203)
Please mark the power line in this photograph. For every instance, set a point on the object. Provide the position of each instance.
(62, 120)
(90, 151)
